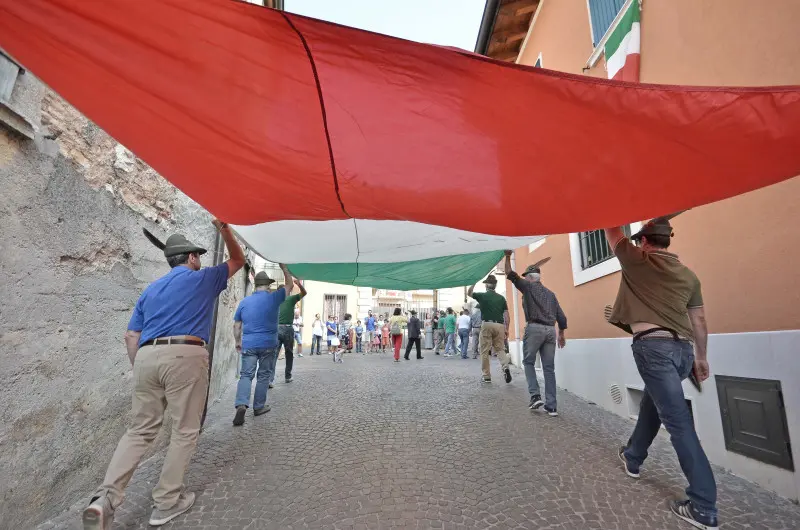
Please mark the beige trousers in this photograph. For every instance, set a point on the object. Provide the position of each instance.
(492, 337)
(172, 378)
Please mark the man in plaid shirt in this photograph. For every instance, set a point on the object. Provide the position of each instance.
(542, 312)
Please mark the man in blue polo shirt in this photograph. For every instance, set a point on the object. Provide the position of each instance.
(255, 327)
(370, 323)
(166, 341)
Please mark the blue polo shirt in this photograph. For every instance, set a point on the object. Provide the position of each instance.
(258, 314)
(179, 303)
(370, 323)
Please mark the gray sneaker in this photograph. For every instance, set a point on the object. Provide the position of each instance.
(161, 517)
(263, 410)
(98, 515)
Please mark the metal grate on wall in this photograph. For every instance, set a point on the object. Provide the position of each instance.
(754, 419)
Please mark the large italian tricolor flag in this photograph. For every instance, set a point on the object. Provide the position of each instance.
(359, 158)
(622, 49)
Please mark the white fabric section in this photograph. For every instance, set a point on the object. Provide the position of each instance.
(630, 44)
(376, 241)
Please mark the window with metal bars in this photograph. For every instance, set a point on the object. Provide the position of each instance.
(335, 305)
(594, 247)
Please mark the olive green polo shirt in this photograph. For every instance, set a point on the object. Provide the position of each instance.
(656, 288)
(286, 310)
(493, 305)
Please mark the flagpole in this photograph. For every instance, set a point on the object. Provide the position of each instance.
(514, 296)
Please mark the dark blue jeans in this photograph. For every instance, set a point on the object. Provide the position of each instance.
(285, 339)
(316, 340)
(463, 334)
(264, 359)
(663, 364)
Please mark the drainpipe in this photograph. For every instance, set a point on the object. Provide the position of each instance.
(218, 255)
(488, 20)
(515, 296)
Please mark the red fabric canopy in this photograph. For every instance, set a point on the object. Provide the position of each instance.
(260, 115)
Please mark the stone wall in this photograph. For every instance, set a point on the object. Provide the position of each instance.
(73, 262)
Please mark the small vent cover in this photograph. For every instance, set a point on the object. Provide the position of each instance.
(616, 393)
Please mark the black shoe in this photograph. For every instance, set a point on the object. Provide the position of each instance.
(536, 402)
(238, 420)
(628, 468)
(686, 511)
(551, 412)
(263, 410)
(420, 358)
(406, 358)
(437, 353)
(506, 373)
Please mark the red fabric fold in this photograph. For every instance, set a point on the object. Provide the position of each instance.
(218, 96)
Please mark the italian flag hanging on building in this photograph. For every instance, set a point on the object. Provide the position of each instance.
(622, 49)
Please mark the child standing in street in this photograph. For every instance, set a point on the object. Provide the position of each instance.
(385, 334)
(359, 337)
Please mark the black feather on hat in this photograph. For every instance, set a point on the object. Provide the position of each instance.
(176, 244)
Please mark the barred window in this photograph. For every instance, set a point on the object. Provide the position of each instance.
(334, 305)
(594, 247)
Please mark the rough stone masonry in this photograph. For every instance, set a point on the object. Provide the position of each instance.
(73, 262)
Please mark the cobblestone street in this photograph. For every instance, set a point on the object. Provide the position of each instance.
(423, 444)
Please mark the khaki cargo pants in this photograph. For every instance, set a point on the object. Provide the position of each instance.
(166, 377)
(493, 337)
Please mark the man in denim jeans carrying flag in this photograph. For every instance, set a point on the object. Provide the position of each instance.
(255, 327)
(661, 304)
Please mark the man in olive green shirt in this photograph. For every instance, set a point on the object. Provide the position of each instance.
(661, 304)
(494, 328)
(286, 330)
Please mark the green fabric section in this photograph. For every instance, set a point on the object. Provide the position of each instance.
(286, 310)
(493, 305)
(434, 273)
(624, 27)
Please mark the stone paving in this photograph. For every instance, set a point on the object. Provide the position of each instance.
(423, 444)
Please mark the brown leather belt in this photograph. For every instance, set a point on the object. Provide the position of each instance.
(167, 341)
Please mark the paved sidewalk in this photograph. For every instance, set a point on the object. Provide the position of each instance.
(423, 444)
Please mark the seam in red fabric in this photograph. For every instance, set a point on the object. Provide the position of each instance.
(322, 108)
